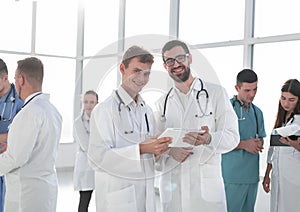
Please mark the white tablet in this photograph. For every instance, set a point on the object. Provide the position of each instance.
(177, 134)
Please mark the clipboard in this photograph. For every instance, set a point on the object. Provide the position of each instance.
(274, 141)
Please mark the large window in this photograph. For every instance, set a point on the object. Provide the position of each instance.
(58, 73)
(277, 17)
(56, 28)
(214, 29)
(226, 62)
(275, 63)
(52, 39)
(147, 17)
(101, 26)
(15, 20)
(211, 21)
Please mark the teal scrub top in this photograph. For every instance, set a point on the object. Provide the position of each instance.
(240, 166)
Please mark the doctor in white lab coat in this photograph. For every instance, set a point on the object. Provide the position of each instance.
(284, 161)
(84, 175)
(191, 179)
(28, 163)
(121, 149)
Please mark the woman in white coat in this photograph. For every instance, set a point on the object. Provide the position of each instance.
(120, 149)
(284, 161)
(84, 176)
(191, 179)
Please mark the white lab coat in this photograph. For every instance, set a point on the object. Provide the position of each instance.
(84, 175)
(124, 178)
(197, 183)
(29, 162)
(285, 184)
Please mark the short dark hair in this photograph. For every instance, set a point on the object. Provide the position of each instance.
(246, 75)
(92, 93)
(135, 51)
(3, 68)
(33, 69)
(171, 44)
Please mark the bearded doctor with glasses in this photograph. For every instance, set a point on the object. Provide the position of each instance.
(191, 179)
(120, 149)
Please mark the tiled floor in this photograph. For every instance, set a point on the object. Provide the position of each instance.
(68, 198)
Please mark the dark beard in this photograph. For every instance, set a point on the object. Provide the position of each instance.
(182, 77)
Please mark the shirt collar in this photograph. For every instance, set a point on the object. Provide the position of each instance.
(127, 99)
(30, 96)
(85, 116)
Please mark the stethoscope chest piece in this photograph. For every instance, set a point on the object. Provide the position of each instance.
(12, 100)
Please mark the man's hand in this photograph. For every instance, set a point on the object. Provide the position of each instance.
(252, 145)
(196, 138)
(3, 147)
(155, 145)
(180, 154)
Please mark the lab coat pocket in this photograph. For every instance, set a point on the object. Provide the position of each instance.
(123, 200)
(296, 155)
(213, 190)
(212, 185)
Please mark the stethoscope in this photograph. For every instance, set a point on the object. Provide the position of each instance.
(12, 99)
(204, 112)
(241, 117)
(121, 102)
(290, 119)
(84, 123)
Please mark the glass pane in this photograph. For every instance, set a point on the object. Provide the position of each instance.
(103, 80)
(56, 27)
(15, 21)
(147, 17)
(11, 63)
(59, 78)
(274, 63)
(277, 17)
(101, 26)
(211, 21)
(226, 62)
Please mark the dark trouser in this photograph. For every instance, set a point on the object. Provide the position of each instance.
(84, 200)
(2, 193)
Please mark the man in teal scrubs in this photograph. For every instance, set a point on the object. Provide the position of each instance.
(10, 104)
(240, 167)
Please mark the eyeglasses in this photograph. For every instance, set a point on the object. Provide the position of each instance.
(179, 59)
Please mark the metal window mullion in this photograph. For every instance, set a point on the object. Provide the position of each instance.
(121, 34)
(174, 19)
(33, 27)
(79, 60)
(248, 33)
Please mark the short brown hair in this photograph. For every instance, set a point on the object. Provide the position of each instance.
(135, 51)
(33, 69)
